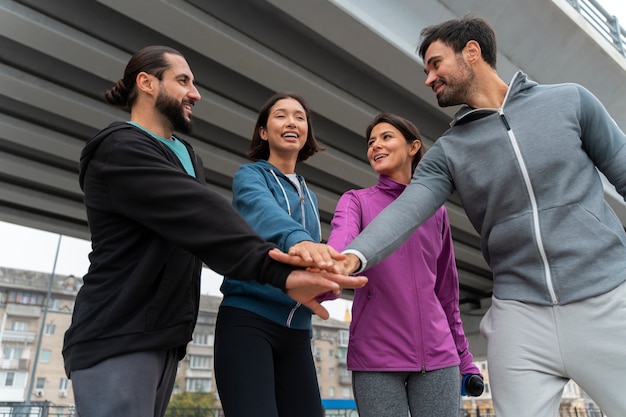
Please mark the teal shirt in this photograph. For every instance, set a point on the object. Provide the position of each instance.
(175, 145)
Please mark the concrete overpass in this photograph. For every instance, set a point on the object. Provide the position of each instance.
(349, 58)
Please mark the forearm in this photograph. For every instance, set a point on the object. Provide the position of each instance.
(394, 225)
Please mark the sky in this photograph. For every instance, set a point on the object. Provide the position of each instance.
(616, 8)
(34, 250)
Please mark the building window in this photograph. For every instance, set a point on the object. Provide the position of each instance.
(40, 383)
(13, 379)
(344, 336)
(20, 297)
(19, 326)
(345, 392)
(45, 356)
(341, 354)
(344, 372)
(200, 362)
(331, 372)
(12, 353)
(318, 370)
(198, 385)
(63, 384)
(317, 353)
(55, 304)
(49, 329)
(202, 339)
(331, 353)
(331, 392)
(10, 379)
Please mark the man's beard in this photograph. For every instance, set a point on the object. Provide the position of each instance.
(174, 112)
(458, 89)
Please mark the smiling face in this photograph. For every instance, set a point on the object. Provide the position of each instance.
(177, 94)
(447, 73)
(389, 153)
(287, 128)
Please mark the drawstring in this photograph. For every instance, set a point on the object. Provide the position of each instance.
(283, 190)
(308, 193)
(317, 216)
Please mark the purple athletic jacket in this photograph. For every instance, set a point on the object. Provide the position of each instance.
(407, 317)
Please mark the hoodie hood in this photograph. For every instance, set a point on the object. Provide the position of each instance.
(93, 143)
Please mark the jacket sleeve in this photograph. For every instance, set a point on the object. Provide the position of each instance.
(150, 189)
(346, 222)
(428, 190)
(603, 140)
(254, 201)
(345, 225)
(447, 291)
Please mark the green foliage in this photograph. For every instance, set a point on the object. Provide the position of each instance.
(191, 404)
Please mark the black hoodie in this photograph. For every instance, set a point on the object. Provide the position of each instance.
(152, 225)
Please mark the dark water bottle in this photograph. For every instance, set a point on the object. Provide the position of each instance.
(472, 385)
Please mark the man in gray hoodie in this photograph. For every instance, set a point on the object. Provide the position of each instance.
(522, 158)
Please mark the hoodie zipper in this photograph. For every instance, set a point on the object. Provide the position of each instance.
(529, 189)
(533, 204)
(304, 189)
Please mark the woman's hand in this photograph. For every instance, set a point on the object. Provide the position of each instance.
(317, 255)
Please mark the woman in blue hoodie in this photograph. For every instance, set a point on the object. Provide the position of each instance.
(263, 360)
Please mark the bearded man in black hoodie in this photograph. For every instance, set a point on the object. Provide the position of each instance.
(153, 221)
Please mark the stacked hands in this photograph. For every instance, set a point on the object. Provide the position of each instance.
(326, 271)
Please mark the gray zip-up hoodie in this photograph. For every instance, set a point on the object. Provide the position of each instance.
(526, 176)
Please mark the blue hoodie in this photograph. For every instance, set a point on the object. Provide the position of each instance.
(277, 211)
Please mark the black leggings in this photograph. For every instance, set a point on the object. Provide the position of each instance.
(264, 369)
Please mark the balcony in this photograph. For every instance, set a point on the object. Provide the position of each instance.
(15, 364)
(17, 336)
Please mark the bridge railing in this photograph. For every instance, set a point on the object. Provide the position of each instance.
(605, 23)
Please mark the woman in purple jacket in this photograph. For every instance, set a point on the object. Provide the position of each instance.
(407, 348)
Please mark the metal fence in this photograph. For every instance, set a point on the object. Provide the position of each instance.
(35, 409)
(605, 23)
(47, 409)
(563, 412)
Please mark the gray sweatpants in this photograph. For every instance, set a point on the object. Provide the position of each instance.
(393, 394)
(133, 385)
(533, 351)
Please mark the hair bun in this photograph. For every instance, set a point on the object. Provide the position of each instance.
(118, 94)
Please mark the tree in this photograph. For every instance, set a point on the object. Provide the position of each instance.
(191, 404)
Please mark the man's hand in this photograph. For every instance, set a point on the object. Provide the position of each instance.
(344, 264)
(304, 286)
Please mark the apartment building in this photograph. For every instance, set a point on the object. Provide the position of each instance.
(36, 309)
(330, 347)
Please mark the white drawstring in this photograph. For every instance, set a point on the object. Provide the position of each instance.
(283, 190)
(308, 193)
(317, 216)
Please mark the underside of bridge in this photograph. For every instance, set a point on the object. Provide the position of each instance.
(349, 59)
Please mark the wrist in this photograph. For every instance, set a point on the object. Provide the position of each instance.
(356, 261)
